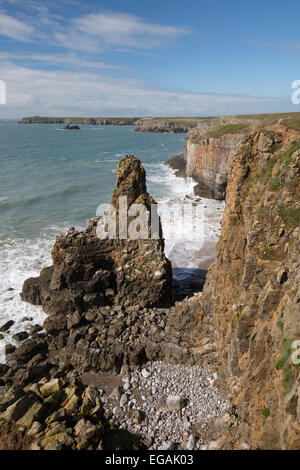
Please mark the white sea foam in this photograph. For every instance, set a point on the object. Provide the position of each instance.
(114, 160)
(195, 235)
(20, 259)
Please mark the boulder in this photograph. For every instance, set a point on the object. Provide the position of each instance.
(7, 325)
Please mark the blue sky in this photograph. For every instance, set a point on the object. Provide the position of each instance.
(197, 57)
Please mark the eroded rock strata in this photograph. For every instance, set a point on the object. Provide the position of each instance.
(251, 298)
(89, 273)
(209, 152)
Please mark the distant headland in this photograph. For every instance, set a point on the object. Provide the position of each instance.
(149, 124)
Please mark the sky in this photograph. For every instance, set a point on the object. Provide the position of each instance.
(158, 58)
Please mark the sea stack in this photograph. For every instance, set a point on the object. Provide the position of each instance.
(88, 272)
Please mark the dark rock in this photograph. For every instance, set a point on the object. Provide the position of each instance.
(7, 325)
(74, 320)
(55, 323)
(29, 349)
(3, 369)
(69, 128)
(9, 349)
(178, 164)
(35, 329)
(21, 336)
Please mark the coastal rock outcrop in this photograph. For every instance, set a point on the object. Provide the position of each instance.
(97, 121)
(170, 126)
(60, 413)
(209, 152)
(251, 299)
(89, 272)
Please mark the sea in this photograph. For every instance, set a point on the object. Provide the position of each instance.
(52, 179)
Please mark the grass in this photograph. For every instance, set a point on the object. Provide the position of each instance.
(266, 413)
(262, 212)
(237, 313)
(275, 184)
(271, 254)
(286, 157)
(283, 364)
(290, 216)
(266, 173)
(280, 325)
(236, 276)
(197, 140)
(270, 116)
(294, 124)
(227, 129)
(188, 122)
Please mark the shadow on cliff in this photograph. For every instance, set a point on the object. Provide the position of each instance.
(188, 281)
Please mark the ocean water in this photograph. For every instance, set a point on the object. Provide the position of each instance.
(51, 179)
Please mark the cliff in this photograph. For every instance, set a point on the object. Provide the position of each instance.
(211, 146)
(166, 125)
(251, 299)
(209, 152)
(97, 121)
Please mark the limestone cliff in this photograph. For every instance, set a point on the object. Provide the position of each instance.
(166, 125)
(251, 299)
(209, 152)
(212, 144)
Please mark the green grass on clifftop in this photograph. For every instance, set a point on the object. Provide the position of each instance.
(227, 129)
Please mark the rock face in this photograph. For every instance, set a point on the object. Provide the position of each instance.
(178, 164)
(209, 163)
(209, 152)
(251, 299)
(88, 272)
(175, 126)
(97, 121)
(59, 414)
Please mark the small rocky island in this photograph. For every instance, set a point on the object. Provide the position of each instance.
(68, 127)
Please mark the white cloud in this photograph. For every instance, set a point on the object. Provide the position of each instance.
(39, 92)
(124, 30)
(67, 60)
(15, 29)
(283, 46)
(91, 32)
